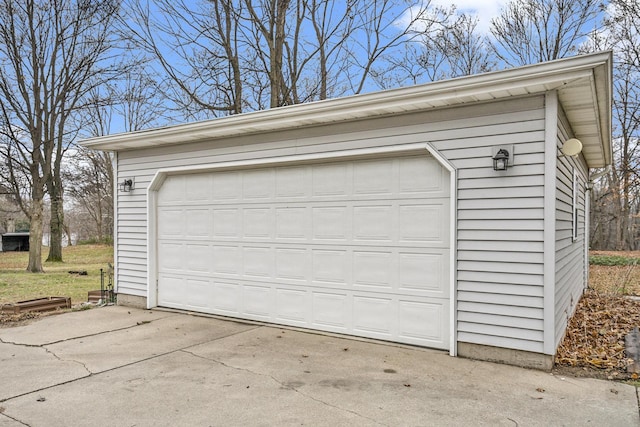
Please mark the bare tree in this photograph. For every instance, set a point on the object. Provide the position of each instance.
(132, 102)
(532, 31)
(52, 52)
(198, 47)
(91, 180)
(230, 56)
(615, 223)
(452, 47)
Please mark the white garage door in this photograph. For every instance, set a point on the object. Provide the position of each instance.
(356, 247)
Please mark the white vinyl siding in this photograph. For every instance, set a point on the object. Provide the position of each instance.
(499, 214)
(500, 234)
(569, 257)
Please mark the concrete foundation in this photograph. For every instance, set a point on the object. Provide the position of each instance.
(132, 301)
(524, 359)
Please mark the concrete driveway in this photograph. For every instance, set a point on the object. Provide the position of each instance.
(118, 366)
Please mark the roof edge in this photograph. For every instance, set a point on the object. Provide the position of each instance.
(368, 105)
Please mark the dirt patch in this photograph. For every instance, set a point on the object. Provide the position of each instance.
(12, 320)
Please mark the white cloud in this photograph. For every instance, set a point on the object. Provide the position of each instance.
(485, 10)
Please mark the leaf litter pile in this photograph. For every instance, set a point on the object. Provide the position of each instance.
(594, 343)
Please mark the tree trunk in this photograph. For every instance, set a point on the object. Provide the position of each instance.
(35, 236)
(57, 221)
(67, 231)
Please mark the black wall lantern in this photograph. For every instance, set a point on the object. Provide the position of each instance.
(501, 160)
(126, 185)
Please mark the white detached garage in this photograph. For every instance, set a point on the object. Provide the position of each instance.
(387, 215)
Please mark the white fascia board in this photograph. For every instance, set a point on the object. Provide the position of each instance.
(548, 75)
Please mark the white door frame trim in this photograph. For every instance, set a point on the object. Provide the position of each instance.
(161, 175)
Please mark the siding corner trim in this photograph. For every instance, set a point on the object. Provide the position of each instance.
(550, 160)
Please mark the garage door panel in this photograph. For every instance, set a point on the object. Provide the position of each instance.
(198, 258)
(171, 223)
(199, 294)
(171, 254)
(198, 187)
(373, 316)
(173, 190)
(331, 223)
(373, 177)
(331, 311)
(258, 302)
(258, 184)
(257, 223)
(171, 291)
(227, 298)
(331, 266)
(258, 261)
(374, 269)
(292, 183)
(358, 247)
(292, 263)
(423, 223)
(292, 223)
(293, 306)
(418, 271)
(420, 322)
(330, 180)
(423, 272)
(420, 175)
(373, 223)
(197, 222)
(226, 223)
(226, 186)
(227, 259)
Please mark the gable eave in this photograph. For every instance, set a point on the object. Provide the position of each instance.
(583, 82)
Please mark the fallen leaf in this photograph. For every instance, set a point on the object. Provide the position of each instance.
(595, 335)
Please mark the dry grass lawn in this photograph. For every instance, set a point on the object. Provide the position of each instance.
(18, 285)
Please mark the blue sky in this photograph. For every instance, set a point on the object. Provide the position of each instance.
(485, 10)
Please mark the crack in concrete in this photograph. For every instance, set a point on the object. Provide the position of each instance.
(124, 328)
(285, 386)
(14, 419)
(638, 401)
(68, 360)
(155, 356)
(48, 351)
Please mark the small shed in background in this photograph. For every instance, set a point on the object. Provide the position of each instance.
(14, 242)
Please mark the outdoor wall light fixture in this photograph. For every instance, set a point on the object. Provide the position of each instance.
(571, 147)
(501, 160)
(126, 185)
